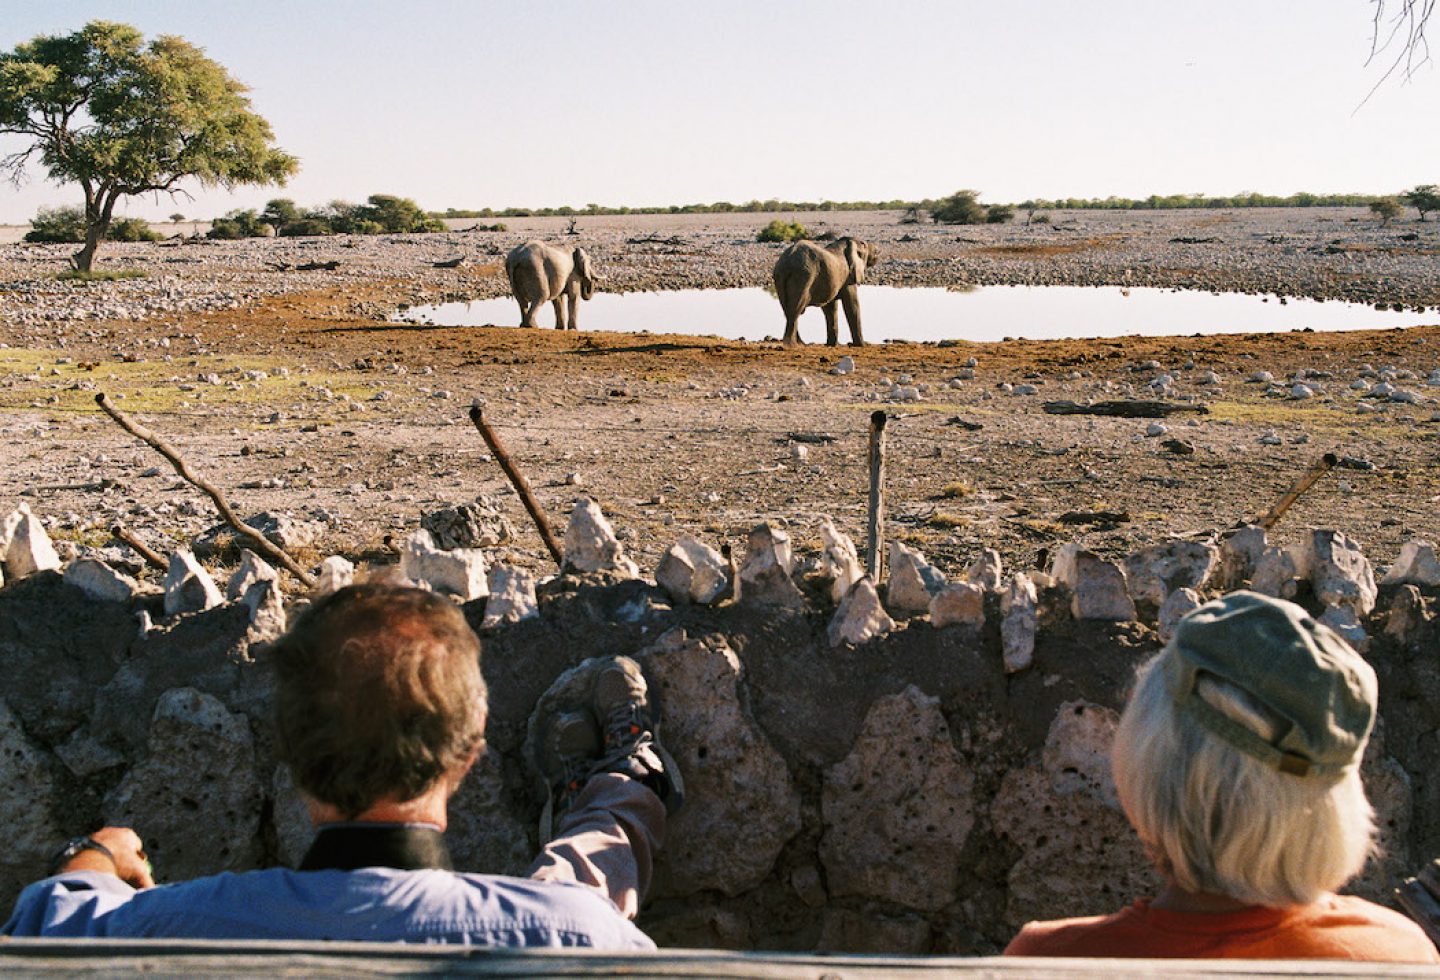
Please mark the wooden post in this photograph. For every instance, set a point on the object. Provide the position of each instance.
(874, 556)
(517, 480)
(1307, 480)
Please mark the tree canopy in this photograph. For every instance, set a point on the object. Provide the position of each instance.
(120, 117)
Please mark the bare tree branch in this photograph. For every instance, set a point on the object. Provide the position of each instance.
(1404, 27)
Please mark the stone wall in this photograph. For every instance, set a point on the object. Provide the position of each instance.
(903, 794)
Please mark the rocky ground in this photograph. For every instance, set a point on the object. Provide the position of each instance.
(291, 391)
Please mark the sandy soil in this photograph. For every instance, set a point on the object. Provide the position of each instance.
(288, 389)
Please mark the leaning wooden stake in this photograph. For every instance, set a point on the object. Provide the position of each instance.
(255, 539)
(517, 480)
(152, 557)
(874, 557)
(1306, 481)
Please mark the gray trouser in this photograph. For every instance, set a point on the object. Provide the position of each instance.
(607, 840)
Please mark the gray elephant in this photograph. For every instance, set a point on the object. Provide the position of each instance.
(541, 273)
(808, 274)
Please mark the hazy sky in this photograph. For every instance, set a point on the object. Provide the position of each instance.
(475, 104)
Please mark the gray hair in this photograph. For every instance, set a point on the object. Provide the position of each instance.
(1216, 820)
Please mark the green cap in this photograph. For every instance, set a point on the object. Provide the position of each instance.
(1302, 671)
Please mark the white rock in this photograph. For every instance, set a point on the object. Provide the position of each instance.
(839, 561)
(512, 596)
(1406, 397)
(986, 571)
(188, 587)
(459, 572)
(1417, 565)
(1408, 614)
(1338, 571)
(1156, 429)
(765, 575)
(1154, 572)
(252, 569)
(30, 550)
(1261, 377)
(1098, 587)
(860, 617)
(958, 604)
(101, 582)
(9, 524)
(591, 545)
(1270, 438)
(692, 571)
(1342, 620)
(1019, 608)
(1178, 605)
(334, 574)
(799, 452)
(1301, 392)
(844, 366)
(1209, 378)
(267, 610)
(1276, 574)
(1239, 553)
(913, 580)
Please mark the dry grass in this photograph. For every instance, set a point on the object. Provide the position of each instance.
(948, 520)
(957, 489)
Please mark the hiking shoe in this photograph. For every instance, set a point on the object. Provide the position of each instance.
(565, 750)
(629, 724)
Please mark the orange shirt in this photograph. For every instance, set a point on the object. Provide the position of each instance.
(1336, 927)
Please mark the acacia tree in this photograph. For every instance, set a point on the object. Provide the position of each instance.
(1425, 198)
(119, 117)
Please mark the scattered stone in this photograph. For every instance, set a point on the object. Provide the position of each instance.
(1209, 378)
(765, 575)
(1271, 439)
(84, 756)
(591, 545)
(1098, 587)
(1417, 565)
(692, 571)
(799, 452)
(986, 571)
(1338, 571)
(334, 574)
(1276, 574)
(839, 561)
(1300, 392)
(29, 549)
(459, 572)
(1019, 607)
(512, 596)
(252, 569)
(481, 524)
(1261, 377)
(844, 366)
(281, 530)
(1154, 572)
(267, 610)
(1240, 551)
(859, 618)
(1177, 605)
(188, 587)
(913, 580)
(1155, 429)
(1342, 620)
(101, 582)
(958, 604)
(898, 838)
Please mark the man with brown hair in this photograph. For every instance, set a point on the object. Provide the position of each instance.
(380, 713)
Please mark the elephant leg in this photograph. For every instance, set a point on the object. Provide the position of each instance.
(559, 305)
(527, 313)
(792, 331)
(832, 332)
(573, 303)
(850, 300)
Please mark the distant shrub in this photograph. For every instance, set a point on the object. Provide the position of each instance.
(782, 231)
(305, 227)
(911, 216)
(237, 224)
(960, 208)
(999, 214)
(1040, 219)
(57, 225)
(1386, 209)
(132, 230)
(1424, 199)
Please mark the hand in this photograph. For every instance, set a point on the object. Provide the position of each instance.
(130, 864)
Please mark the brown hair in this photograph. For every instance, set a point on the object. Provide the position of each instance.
(377, 694)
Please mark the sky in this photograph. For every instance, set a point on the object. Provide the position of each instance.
(471, 104)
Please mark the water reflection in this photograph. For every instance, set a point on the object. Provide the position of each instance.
(983, 313)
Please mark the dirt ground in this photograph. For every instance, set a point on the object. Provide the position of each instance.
(293, 402)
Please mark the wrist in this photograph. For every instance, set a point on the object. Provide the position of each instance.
(83, 854)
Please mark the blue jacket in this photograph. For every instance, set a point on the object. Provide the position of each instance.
(370, 904)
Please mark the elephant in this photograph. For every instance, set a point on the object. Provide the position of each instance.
(808, 274)
(541, 273)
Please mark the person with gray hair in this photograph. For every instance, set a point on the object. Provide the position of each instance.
(1237, 761)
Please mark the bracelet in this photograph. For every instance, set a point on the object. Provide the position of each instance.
(74, 846)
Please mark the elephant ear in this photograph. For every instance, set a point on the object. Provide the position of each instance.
(855, 259)
(587, 276)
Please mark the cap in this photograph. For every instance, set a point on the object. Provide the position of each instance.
(1323, 692)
